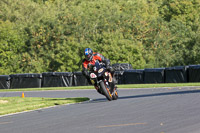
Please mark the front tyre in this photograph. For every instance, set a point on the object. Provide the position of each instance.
(106, 91)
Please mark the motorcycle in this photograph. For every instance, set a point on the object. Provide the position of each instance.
(103, 81)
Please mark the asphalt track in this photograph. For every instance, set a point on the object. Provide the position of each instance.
(150, 110)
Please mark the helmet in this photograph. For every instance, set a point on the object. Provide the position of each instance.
(88, 54)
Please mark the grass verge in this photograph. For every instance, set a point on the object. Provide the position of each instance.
(119, 86)
(17, 104)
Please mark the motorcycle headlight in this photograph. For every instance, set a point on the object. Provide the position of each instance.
(92, 75)
(106, 73)
(100, 70)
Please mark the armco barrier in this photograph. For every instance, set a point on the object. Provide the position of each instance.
(57, 79)
(4, 82)
(155, 75)
(79, 79)
(133, 76)
(194, 73)
(25, 80)
(176, 74)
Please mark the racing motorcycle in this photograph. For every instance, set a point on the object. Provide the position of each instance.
(103, 81)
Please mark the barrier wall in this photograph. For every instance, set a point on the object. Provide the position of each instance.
(119, 77)
(133, 77)
(178, 74)
(25, 80)
(194, 73)
(154, 75)
(57, 79)
(79, 79)
(4, 81)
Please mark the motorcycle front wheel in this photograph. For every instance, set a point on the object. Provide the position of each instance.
(106, 91)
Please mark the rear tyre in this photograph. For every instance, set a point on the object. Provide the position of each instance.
(106, 91)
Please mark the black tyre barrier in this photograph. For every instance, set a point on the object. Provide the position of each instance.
(133, 76)
(57, 79)
(4, 82)
(155, 75)
(180, 74)
(119, 77)
(194, 73)
(176, 74)
(79, 79)
(25, 80)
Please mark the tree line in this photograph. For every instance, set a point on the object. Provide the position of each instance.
(50, 35)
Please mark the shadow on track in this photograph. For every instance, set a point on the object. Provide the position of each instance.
(148, 95)
(161, 94)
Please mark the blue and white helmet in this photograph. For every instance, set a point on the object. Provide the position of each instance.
(88, 54)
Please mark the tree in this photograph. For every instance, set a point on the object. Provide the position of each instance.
(12, 44)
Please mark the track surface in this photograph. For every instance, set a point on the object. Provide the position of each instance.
(161, 110)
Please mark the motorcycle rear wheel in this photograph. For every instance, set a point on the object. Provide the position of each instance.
(106, 91)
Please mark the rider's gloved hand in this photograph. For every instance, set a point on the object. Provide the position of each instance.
(86, 74)
(89, 81)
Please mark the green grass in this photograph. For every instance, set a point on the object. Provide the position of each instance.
(119, 86)
(17, 104)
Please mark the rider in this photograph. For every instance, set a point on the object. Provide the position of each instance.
(90, 58)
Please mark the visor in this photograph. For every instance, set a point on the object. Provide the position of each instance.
(88, 57)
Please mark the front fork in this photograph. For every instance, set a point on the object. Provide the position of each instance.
(109, 82)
